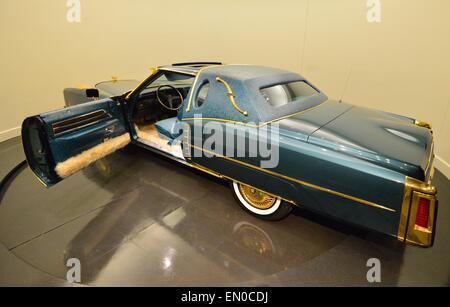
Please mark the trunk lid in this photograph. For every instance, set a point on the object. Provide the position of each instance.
(389, 140)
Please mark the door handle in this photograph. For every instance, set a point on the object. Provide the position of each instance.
(109, 130)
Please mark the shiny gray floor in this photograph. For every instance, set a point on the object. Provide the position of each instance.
(137, 219)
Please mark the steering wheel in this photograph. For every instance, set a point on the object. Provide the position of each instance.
(169, 105)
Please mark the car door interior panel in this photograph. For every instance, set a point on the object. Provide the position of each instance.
(60, 143)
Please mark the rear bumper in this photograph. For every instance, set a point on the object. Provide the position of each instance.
(408, 232)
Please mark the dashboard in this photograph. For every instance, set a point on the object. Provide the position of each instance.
(148, 109)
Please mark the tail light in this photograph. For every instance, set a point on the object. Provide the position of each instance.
(421, 219)
(423, 214)
(418, 214)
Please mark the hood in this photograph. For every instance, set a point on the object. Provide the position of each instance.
(116, 87)
(389, 140)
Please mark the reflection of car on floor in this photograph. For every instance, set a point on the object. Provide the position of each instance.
(362, 166)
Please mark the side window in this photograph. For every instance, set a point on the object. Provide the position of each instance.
(282, 94)
(202, 93)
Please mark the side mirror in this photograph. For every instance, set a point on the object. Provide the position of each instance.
(92, 93)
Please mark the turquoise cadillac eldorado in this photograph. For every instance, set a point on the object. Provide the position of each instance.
(365, 167)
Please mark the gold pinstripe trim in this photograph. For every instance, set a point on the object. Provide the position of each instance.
(221, 176)
(251, 125)
(231, 96)
(307, 184)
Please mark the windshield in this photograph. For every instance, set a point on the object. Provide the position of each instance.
(118, 87)
(170, 78)
(283, 94)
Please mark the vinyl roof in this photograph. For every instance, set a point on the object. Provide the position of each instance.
(240, 72)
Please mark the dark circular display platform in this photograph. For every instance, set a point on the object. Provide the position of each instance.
(138, 219)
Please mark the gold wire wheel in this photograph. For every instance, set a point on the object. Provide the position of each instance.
(257, 198)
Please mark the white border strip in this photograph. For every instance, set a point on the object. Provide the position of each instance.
(9, 133)
(443, 166)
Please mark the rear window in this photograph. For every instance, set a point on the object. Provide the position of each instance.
(282, 94)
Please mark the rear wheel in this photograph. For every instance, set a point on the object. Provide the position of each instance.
(259, 203)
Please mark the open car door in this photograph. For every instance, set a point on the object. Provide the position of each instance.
(57, 144)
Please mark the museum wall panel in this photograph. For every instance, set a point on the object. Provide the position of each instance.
(399, 64)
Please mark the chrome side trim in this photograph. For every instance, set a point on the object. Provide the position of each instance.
(79, 122)
(430, 164)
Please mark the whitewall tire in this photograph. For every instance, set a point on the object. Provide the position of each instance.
(259, 203)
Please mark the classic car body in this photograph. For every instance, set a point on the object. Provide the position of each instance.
(365, 167)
